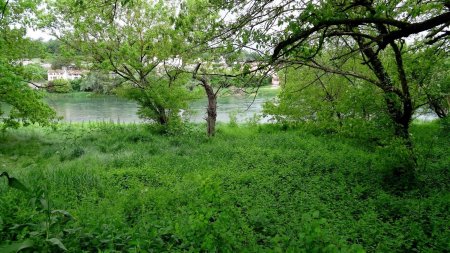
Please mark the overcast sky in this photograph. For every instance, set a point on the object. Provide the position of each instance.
(39, 34)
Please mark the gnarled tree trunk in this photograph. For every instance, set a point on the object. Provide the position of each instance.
(398, 101)
(212, 109)
(212, 102)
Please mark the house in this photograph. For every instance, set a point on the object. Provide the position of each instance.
(275, 79)
(66, 74)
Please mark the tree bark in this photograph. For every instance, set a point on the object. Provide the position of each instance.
(211, 110)
(438, 105)
(162, 119)
(398, 102)
(212, 102)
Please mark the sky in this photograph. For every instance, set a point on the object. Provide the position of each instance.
(39, 34)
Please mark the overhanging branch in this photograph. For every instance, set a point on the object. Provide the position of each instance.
(404, 29)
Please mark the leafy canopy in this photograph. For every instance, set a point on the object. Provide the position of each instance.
(19, 102)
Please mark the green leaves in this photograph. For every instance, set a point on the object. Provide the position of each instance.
(140, 42)
(17, 246)
(57, 242)
(26, 106)
(44, 228)
(251, 189)
(14, 183)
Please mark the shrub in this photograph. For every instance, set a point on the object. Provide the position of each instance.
(97, 82)
(76, 84)
(59, 86)
(35, 72)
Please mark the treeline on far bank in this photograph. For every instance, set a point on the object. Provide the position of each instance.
(95, 81)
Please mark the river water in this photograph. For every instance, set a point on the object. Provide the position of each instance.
(80, 107)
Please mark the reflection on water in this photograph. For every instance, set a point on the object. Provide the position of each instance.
(86, 108)
(93, 108)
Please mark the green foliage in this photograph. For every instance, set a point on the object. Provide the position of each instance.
(329, 102)
(23, 105)
(257, 189)
(241, 81)
(342, 38)
(34, 72)
(63, 55)
(429, 71)
(161, 102)
(144, 55)
(53, 47)
(59, 86)
(98, 82)
(37, 234)
(76, 84)
(17, 246)
(19, 104)
(59, 62)
(233, 119)
(13, 182)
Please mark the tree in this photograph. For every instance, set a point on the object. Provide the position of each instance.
(211, 94)
(215, 81)
(35, 72)
(362, 28)
(23, 104)
(58, 62)
(135, 40)
(53, 47)
(196, 23)
(332, 101)
(219, 64)
(429, 73)
(59, 86)
(96, 81)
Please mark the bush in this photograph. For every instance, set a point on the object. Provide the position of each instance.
(59, 86)
(233, 119)
(160, 102)
(97, 82)
(76, 84)
(35, 72)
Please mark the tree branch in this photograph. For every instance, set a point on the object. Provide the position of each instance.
(314, 64)
(413, 29)
(404, 30)
(4, 9)
(334, 22)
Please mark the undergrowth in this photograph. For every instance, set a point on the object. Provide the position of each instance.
(129, 188)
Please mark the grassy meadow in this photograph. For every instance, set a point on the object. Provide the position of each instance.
(105, 187)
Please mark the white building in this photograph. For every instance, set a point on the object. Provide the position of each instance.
(66, 74)
(275, 79)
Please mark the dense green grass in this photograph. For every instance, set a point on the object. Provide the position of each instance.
(255, 189)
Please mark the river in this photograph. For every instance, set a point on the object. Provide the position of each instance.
(84, 107)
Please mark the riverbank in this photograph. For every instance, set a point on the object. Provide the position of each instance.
(119, 188)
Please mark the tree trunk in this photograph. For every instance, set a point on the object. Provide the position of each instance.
(162, 120)
(438, 106)
(162, 117)
(211, 110)
(398, 101)
(212, 102)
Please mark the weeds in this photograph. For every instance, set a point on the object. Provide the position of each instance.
(129, 188)
(44, 228)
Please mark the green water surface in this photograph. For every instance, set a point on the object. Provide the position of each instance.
(88, 107)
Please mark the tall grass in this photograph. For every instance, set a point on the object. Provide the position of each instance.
(261, 188)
